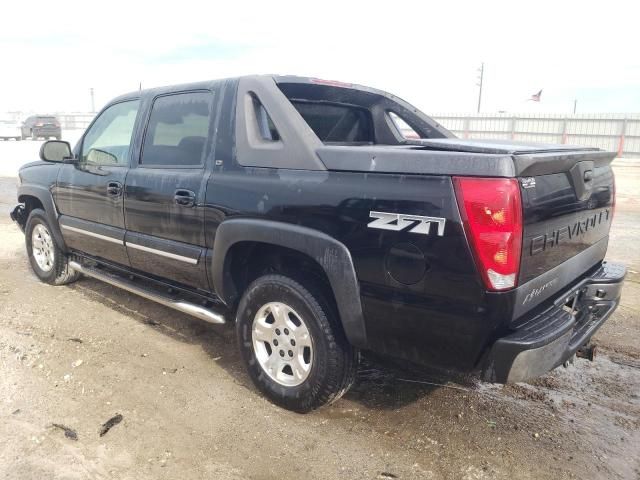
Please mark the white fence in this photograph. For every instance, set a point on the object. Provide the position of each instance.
(614, 132)
(75, 121)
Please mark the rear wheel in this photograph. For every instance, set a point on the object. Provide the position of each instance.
(292, 344)
(48, 261)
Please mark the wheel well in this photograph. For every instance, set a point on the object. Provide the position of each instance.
(247, 261)
(30, 203)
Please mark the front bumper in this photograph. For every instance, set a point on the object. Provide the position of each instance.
(19, 215)
(542, 342)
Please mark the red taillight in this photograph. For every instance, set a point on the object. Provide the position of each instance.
(491, 211)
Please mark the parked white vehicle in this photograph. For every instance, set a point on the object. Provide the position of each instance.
(10, 130)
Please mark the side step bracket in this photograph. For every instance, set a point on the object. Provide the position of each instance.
(151, 294)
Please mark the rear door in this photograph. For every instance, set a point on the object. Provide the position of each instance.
(164, 192)
(89, 193)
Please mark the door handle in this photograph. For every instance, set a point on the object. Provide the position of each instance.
(184, 198)
(114, 189)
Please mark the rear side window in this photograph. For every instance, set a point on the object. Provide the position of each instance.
(108, 140)
(334, 123)
(178, 130)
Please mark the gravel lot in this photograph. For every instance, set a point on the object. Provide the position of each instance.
(77, 356)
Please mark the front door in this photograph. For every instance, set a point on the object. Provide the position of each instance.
(89, 193)
(164, 192)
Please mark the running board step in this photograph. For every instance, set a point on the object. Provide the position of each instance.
(180, 305)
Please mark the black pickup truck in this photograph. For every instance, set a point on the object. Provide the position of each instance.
(324, 218)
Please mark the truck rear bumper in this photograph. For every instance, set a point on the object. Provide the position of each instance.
(543, 341)
(47, 132)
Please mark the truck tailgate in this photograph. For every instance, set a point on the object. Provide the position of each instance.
(566, 212)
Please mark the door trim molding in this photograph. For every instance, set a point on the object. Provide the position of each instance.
(162, 253)
(92, 234)
(136, 246)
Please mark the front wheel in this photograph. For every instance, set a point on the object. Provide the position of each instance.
(293, 345)
(48, 261)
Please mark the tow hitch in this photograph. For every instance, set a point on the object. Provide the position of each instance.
(587, 351)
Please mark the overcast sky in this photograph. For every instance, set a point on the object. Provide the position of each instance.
(52, 53)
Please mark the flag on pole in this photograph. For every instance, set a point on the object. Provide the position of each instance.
(536, 96)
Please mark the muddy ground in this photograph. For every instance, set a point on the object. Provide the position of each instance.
(76, 356)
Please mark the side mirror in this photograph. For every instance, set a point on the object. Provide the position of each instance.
(55, 151)
(100, 157)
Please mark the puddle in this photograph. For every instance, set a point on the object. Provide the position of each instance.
(598, 403)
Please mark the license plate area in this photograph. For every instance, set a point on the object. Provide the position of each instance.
(571, 304)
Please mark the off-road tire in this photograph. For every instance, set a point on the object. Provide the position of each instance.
(61, 273)
(334, 361)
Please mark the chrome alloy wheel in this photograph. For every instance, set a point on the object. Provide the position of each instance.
(42, 247)
(282, 344)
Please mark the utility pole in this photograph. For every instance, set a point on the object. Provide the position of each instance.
(93, 103)
(575, 105)
(479, 84)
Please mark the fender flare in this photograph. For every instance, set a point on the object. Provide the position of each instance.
(332, 256)
(44, 195)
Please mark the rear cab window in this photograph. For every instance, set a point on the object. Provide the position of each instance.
(47, 120)
(337, 123)
(178, 130)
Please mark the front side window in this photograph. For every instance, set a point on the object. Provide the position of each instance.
(178, 130)
(108, 140)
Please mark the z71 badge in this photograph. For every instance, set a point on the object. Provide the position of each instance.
(399, 221)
